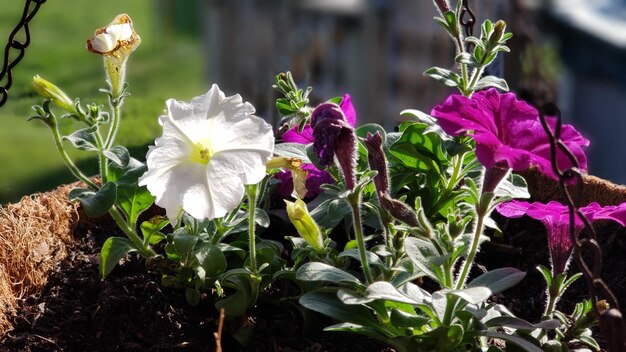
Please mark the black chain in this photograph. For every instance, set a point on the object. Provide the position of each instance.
(15, 46)
(469, 22)
(611, 321)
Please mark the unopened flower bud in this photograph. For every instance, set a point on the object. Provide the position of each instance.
(378, 162)
(53, 93)
(442, 5)
(499, 28)
(335, 137)
(304, 224)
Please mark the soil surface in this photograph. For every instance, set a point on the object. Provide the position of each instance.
(131, 311)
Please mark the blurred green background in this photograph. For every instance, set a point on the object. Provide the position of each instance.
(167, 64)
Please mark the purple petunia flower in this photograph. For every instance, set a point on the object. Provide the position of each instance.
(316, 177)
(555, 217)
(507, 131)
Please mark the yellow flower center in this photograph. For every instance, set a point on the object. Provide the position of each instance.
(202, 152)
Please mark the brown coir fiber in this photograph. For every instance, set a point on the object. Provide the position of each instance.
(595, 189)
(35, 234)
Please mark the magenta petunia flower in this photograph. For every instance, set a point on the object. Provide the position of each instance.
(507, 131)
(316, 177)
(555, 217)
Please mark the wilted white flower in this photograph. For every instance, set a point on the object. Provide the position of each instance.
(115, 43)
(210, 148)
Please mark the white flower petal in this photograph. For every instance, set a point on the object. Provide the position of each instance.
(103, 42)
(121, 31)
(210, 148)
(250, 164)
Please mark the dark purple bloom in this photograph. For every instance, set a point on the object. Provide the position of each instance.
(378, 162)
(507, 131)
(555, 217)
(316, 177)
(335, 138)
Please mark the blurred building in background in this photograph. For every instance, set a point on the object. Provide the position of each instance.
(376, 50)
(569, 51)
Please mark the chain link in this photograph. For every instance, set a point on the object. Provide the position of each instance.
(469, 22)
(16, 47)
(611, 320)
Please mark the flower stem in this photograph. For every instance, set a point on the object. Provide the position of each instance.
(473, 249)
(66, 158)
(144, 249)
(251, 191)
(104, 172)
(115, 123)
(355, 202)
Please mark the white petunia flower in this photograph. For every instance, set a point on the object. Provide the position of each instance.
(210, 149)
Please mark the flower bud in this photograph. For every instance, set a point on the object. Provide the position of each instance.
(499, 29)
(115, 43)
(442, 5)
(335, 137)
(377, 161)
(53, 93)
(304, 224)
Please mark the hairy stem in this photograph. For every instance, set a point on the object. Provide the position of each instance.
(115, 123)
(251, 191)
(473, 249)
(143, 249)
(355, 202)
(66, 158)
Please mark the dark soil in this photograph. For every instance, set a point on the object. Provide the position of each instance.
(131, 311)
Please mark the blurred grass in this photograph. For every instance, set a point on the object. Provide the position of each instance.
(164, 66)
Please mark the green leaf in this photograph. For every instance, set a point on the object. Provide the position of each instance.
(192, 295)
(385, 291)
(405, 320)
(316, 271)
(546, 273)
(328, 304)
(150, 229)
(292, 150)
(513, 186)
(84, 139)
(356, 329)
(119, 155)
(127, 175)
(521, 324)
(421, 252)
(498, 280)
(371, 128)
(418, 149)
(133, 200)
(491, 81)
(113, 249)
(444, 76)
(473, 295)
(313, 157)
(520, 342)
(261, 218)
(182, 241)
(98, 203)
(354, 253)
(210, 258)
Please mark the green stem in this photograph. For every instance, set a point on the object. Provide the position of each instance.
(104, 169)
(251, 191)
(475, 76)
(473, 249)
(355, 202)
(143, 249)
(114, 123)
(552, 299)
(460, 48)
(66, 158)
